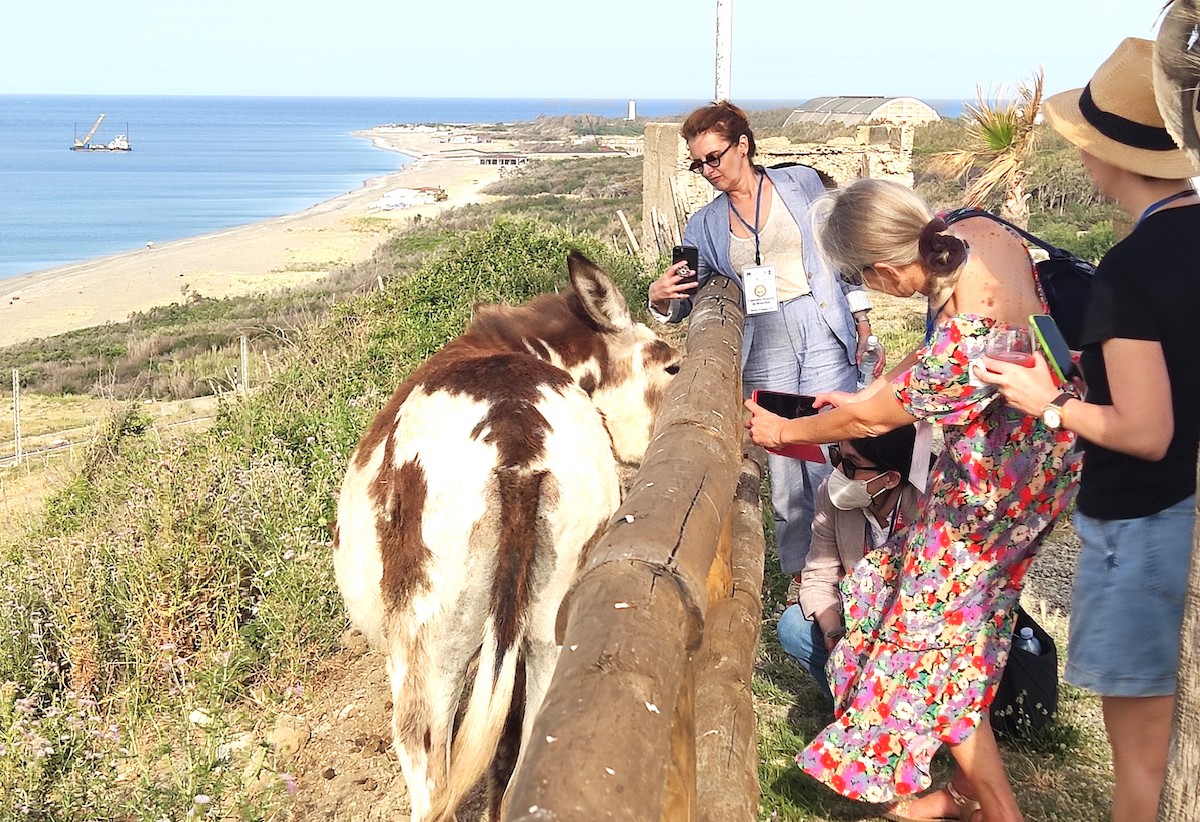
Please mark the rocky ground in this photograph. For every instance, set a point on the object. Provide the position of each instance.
(1052, 573)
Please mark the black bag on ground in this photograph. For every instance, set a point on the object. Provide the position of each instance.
(1027, 697)
(1066, 280)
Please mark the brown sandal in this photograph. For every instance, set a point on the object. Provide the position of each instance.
(966, 807)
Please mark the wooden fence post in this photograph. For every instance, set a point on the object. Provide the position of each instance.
(726, 729)
(244, 383)
(16, 375)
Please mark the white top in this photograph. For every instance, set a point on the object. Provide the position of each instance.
(780, 244)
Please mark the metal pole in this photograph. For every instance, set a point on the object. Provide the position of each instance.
(245, 383)
(17, 413)
(724, 48)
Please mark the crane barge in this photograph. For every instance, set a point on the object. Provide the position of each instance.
(118, 143)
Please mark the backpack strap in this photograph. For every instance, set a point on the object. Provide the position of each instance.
(963, 213)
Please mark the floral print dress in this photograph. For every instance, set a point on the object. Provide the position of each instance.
(929, 616)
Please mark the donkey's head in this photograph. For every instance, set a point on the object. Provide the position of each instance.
(629, 367)
(589, 333)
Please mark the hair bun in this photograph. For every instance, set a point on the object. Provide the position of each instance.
(940, 252)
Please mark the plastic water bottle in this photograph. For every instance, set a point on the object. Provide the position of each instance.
(1026, 641)
(870, 357)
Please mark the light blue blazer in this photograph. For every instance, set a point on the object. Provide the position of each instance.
(798, 187)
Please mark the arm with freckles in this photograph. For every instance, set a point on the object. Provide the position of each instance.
(877, 414)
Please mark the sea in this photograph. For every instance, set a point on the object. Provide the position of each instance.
(203, 164)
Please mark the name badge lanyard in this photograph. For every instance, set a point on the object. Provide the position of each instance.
(753, 229)
(1178, 195)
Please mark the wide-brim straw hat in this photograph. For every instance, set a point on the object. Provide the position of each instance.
(1115, 116)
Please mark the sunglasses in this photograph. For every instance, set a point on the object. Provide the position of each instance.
(849, 467)
(712, 160)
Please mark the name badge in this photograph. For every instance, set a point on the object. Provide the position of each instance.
(761, 294)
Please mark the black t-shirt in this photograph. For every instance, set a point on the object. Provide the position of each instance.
(1147, 288)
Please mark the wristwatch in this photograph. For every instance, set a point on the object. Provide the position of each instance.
(1052, 414)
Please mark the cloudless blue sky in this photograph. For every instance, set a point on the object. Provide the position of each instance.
(782, 49)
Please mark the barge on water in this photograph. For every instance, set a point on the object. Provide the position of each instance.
(118, 143)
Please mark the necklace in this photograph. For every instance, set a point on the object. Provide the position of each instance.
(1178, 195)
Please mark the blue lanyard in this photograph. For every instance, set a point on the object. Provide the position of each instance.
(752, 228)
(1178, 195)
(931, 319)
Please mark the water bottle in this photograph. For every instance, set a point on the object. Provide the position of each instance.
(870, 357)
(1026, 641)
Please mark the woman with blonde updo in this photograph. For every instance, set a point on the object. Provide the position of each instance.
(929, 620)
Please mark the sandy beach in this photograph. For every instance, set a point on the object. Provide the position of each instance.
(255, 258)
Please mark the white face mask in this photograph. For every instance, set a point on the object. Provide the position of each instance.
(847, 494)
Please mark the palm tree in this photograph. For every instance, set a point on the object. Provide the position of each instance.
(1002, 139)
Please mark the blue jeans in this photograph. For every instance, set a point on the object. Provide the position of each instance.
(1127, 602)
(794, 349)
(804, 640)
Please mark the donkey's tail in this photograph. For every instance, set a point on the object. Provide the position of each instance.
(483, 722)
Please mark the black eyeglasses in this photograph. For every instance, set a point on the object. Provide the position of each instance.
(849, 467)
(712, 160)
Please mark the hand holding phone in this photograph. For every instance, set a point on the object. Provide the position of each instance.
(1054, 346)
(689, 254)
(790, 406)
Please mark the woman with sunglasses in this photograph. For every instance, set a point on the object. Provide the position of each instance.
(929, 621)
(865, 501)
(805, 329)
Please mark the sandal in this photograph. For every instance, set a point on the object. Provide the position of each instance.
(966, 807)
(792, 596)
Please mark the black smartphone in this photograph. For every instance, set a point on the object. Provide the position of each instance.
(1054, 346)
(785, 404)
(790, 406)
(689, 253)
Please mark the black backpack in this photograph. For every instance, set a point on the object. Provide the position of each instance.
(1027, 697)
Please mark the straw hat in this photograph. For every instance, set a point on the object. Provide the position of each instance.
(1116, 119)
(1177, 74)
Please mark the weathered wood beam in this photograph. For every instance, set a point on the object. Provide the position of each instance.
(600, 744)
(726, 733)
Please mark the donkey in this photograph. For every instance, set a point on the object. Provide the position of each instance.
(468, 507)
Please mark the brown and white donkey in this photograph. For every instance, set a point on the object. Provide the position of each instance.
(467, 508)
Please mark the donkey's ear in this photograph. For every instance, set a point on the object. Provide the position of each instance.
(601, 299)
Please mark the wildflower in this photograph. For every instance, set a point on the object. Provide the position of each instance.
(290, 784)
(202, 799)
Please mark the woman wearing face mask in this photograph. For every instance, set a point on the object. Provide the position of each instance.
(929, 620)
(865, 501)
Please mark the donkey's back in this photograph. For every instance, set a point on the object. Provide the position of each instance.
(468, 506)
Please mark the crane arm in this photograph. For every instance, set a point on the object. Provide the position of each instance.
(95, 126)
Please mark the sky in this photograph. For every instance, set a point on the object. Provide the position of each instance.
(781, 49)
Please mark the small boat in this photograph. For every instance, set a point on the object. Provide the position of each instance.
(118, 143)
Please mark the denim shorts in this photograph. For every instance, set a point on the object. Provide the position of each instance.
(1127, 605)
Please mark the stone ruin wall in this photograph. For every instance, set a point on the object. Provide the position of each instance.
(671, 193)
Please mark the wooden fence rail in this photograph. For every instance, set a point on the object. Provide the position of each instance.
(649, 715)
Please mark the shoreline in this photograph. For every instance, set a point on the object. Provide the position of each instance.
(260, 257)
